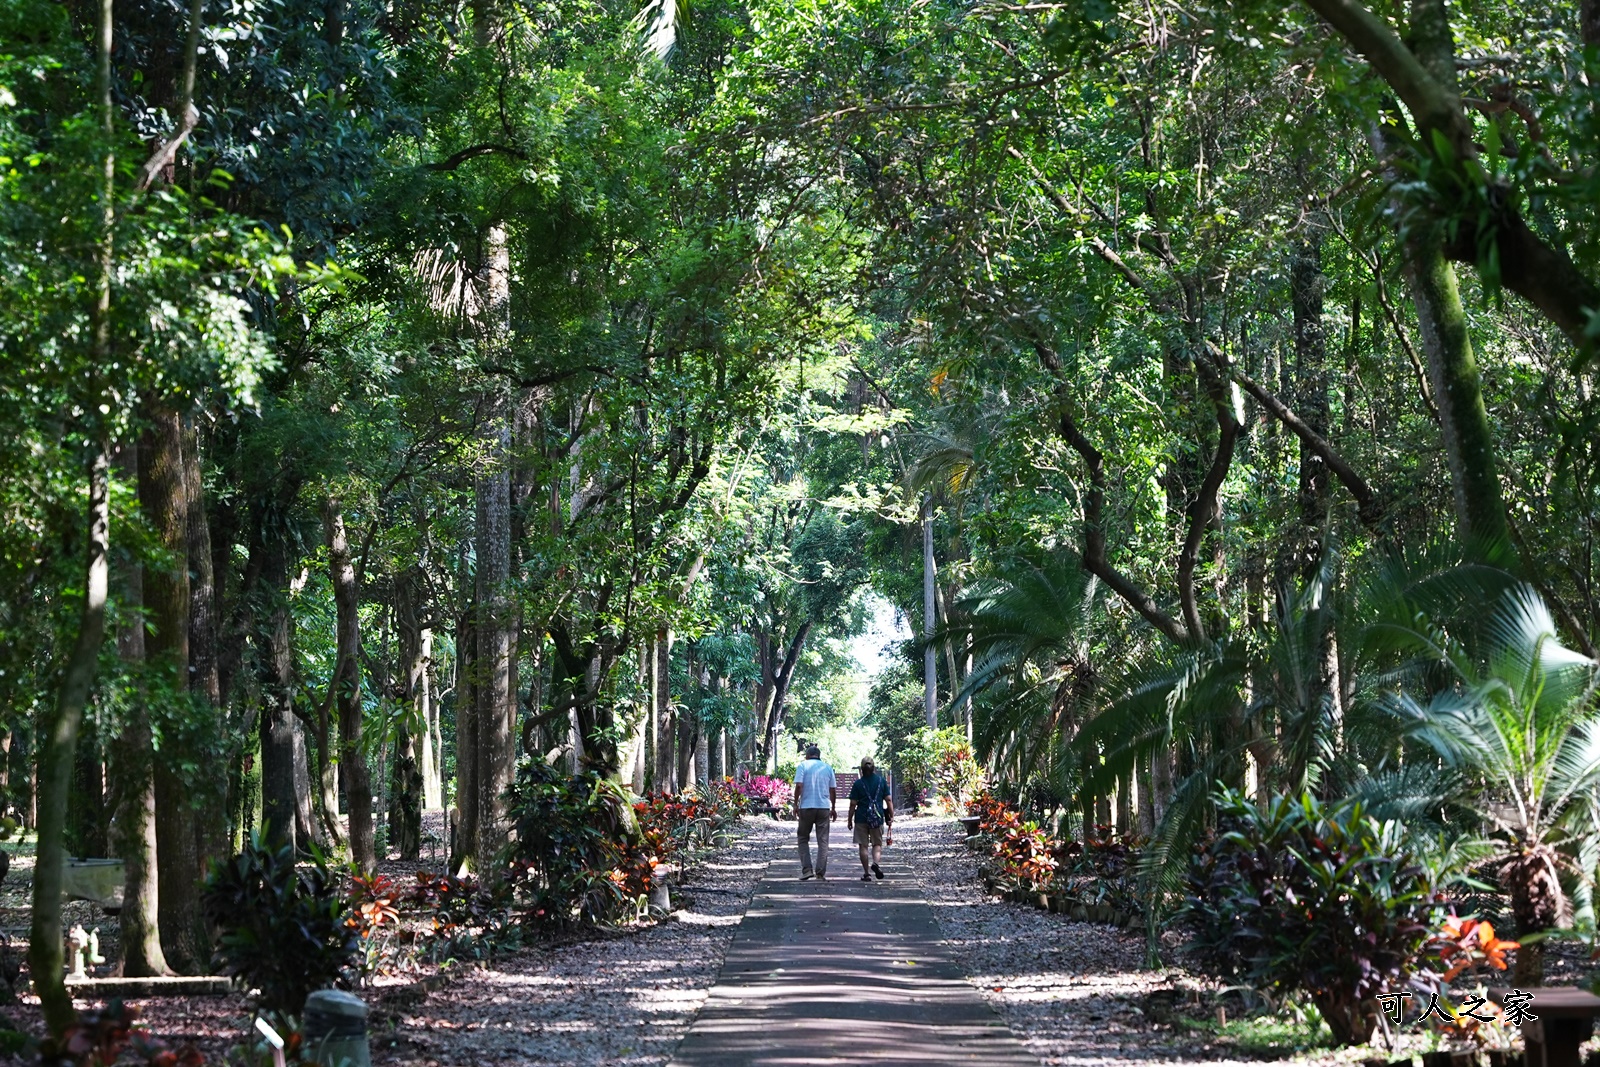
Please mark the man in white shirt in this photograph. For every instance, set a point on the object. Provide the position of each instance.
(816, 804)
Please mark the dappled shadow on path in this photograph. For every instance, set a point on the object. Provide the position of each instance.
(843, 972)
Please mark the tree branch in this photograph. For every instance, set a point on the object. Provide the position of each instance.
(1066, 207)
(1529, 266)
(1205, 505)
(1410, 349)
(474, 152)
(1368, 504)
(1435, 106)
(188, 115)
(1094, 500)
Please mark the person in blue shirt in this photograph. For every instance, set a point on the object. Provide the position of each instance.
(871, 813)
(816, 805)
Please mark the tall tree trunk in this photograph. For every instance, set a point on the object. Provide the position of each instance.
(1463, 419)
(464, 821)
(1442, 325)
(780, 693)
(1306, 282)
(135, 804)
(496, 643)
(762, 690)
(661, 710)
(683, 772)
(497, 621)
(61, 738)
(405, 810)
(930, 668)
(275, 655)
(433, 752)
(645, 760)
(347, 689)
(166, 595)
(326, 772)
(702, 753)
(1147, 808)
(211, 824)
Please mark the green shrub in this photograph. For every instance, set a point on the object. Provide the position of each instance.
(941, 764)
(286, 930)
(577, 857)
(1298, 897)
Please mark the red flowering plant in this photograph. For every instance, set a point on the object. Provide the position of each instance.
(761, 790)
(461, 912)
(1023, 854)
(372, 899)
(371, 902)
(726, 800)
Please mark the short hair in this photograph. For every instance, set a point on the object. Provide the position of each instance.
(813, 752)
(868, 765)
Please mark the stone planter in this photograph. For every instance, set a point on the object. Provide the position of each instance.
(335, 1029)
(969, 823)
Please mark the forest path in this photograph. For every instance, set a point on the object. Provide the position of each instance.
(844, 971)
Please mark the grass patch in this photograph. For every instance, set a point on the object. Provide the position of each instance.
(1295, 1028)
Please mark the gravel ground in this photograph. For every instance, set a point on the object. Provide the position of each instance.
(1075, 993)
(622, 1000)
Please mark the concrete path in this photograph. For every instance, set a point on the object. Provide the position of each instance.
(843, 972)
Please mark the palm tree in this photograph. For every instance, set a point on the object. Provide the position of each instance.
(1031, 627)
(1516, 720)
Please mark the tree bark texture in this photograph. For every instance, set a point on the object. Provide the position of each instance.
(661, 709)
(433, 752)
(280, 817)
(496, 645)
(135, 799)
(930, 667)
(1306, 282)
(495, 684)
(406, 798)
(213, 838)
(166, 597)
(464, 820)
(45, 949)
(644, 764)
(1463, 419)
(347, 689)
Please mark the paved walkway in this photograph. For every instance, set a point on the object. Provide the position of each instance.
(843, 972)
